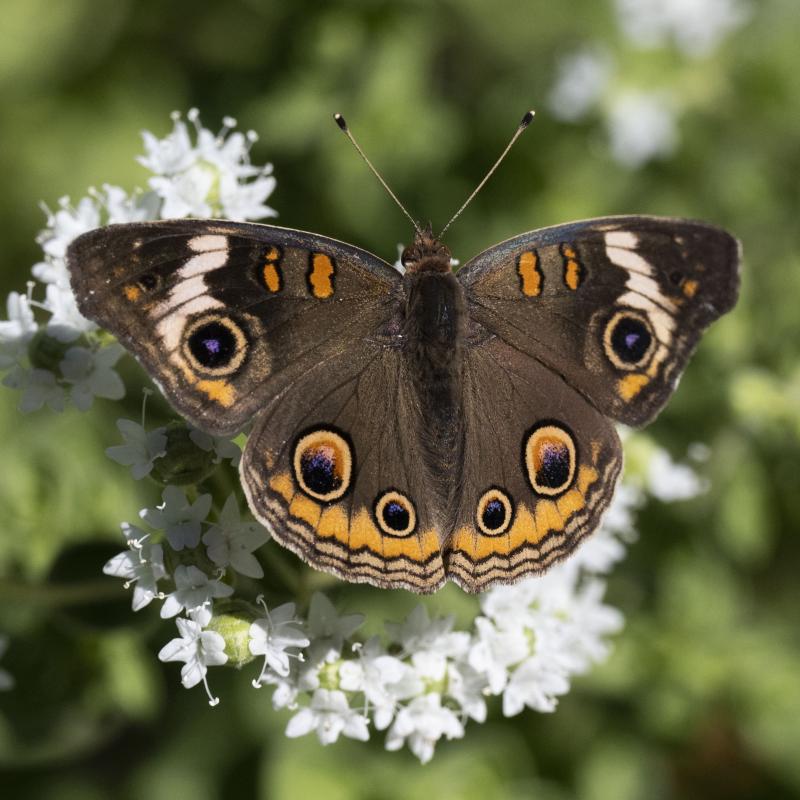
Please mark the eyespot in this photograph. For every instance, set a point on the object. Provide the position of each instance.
(550, 455)
(494, 512)
(629, 340)
(149, 281)
(323, 464)
(215, 345)
(395, 513)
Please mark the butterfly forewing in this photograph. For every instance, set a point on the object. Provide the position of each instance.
(224, 314)
(614, 305)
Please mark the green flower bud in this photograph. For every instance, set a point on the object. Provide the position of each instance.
(47, 352)
(232, 620)
(184, 462)
(329, 675)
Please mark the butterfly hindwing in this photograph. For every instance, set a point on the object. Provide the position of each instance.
(332, 469)
(615, 305)
(223, 314)
(540, 465)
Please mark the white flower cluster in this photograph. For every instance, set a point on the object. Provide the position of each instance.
(59, 357)
(423, 681)
(641, 122)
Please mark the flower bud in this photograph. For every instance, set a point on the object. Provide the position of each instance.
(184, 462)
(47, 352)
(232, 620)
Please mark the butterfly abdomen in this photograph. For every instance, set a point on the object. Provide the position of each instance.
(434, 338)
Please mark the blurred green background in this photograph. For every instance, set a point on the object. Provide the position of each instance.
(701, 698)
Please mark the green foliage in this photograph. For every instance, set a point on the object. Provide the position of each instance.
(702, 696)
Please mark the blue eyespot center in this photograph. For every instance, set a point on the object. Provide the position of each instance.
(213, 345)
(555, 465)
(494, 515)
(396, 516)
(631, 339)
(318, 467)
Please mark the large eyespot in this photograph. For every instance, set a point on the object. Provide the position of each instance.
(629, 340)
(494, 513)
(323, 464)
(215, 345)
(395, 513)
(550, 456)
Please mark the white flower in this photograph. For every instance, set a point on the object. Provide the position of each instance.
(272, 635)
(383, 679)
(195, 592)
(330, 715)
(91, 375)
(230, 542)
(669, 481)
(39, 388)
(170, 155)
(6, 680)
(141, 447)
(423, 722)
(67, 224)
(66, 323)
(327, 629)
(468, 688)
(536, 683)
(581, 81)
(120, 207)
(17, 330)
(142, 565)
(178, 518)
(642, 126)
(418, 634)
(697, 26)
(212, 178)
(199, 650)
(494, 651)
(222, 446)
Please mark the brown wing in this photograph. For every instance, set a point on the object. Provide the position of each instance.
(616, 305)
(540, 466)
(223, 315)
(333, 470)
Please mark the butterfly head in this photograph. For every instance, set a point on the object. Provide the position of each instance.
(426, 254)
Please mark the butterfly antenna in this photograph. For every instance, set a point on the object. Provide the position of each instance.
(343, 125)
(526, 120)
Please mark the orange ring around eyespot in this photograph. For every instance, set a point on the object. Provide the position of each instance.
(329, 445)
(505, 501)
(392, 496)
(548, 436)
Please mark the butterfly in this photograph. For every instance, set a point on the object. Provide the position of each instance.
(413, 428)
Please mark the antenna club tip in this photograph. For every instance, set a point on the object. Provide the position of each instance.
(340, 121)
(527, 119)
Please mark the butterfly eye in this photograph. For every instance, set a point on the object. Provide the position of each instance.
(549, 455)
(215, 345)
(628, 340)
(395, 514)
(494, 512)
(323, 464)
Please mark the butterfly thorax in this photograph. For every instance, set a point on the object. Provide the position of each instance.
(434, 332)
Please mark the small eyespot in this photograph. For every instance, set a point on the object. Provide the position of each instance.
(494, 513)
(149, 281)
(323, 464)
(675, 277)
(629, 340)
(550, 457)
(395, 513)
(215, 345)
